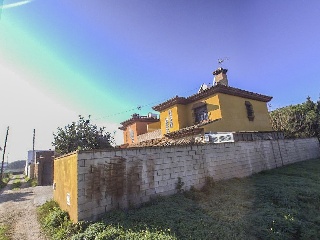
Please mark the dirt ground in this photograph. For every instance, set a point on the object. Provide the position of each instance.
(18, 208)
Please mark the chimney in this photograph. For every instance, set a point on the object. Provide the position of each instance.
(220, 76)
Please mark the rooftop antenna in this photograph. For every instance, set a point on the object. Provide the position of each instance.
(220, 76)
(221, 60)
(33, 143)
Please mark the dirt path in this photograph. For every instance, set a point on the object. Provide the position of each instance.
(18, 209)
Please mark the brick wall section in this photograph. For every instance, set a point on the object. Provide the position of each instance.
(128, 177)
(150, 135)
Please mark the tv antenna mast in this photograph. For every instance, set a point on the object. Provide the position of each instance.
(221, 60)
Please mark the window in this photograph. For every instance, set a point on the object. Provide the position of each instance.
(170, 119)
(167, 125)
(250, 112)
(131, 134)
(201, 114)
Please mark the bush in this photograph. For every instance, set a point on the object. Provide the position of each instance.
(45, 209)
(5, 180)
(56, 222)
(110, 232)
(57, 225)
(93, 230)
(56, 218)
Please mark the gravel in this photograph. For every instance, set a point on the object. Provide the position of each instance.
(18, 209)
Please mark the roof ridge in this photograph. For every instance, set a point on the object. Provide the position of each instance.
(219, 88)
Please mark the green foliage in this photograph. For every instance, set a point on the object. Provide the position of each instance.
(81, 135)
(298, 121)
(56, 222)
(92, 231)
(31, 181)
(4, 234)
(101, 231)
(16, 184)
(45, 209)
(4, 181)
(55, 218)
(57, 225)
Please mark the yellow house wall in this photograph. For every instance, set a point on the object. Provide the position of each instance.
(154, 126)
(65, 180)
(213, 107)
(182, 117)
(230, 110)
(234, 115)
(179, 119)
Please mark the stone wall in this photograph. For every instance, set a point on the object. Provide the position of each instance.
(128, 177)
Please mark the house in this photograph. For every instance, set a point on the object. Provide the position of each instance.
(219, 108)
(138, 125)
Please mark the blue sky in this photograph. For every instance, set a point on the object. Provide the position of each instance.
(106, 58)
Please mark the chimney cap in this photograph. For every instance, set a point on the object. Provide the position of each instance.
(220, 70)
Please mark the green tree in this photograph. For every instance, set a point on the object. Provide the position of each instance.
(296, 121)
(81, 135)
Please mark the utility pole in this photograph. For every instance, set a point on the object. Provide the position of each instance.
(4, 152)
(1, 4)
(33, 142)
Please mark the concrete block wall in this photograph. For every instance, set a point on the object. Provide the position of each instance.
(128, 177)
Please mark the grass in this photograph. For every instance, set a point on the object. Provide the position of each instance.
(5, 180)
(31, 181)
(282, 203)
(4, 235)
(16, 184)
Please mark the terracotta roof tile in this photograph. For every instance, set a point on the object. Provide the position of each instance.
(211, 91)
(137, 119)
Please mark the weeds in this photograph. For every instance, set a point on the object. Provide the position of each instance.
(56, 222)
(31, 181)
(57, 225)
(16, 184)
(4, 235)
(5, 180)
